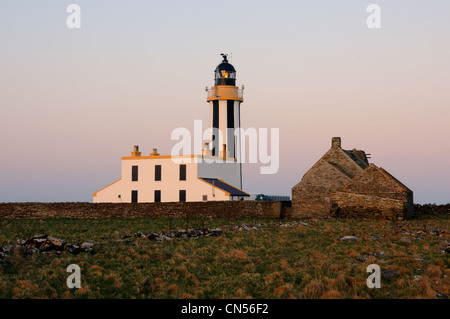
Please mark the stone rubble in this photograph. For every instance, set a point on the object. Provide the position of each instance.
(389, 274)
(349, 238)
(45, 244)
(436, 231)
(377, 255)
(304, 224)
(197, 233)
(441, 295)
(179, 234)
(421, 260)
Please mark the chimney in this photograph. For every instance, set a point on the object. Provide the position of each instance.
(155, 152)
(336, 142)
(136, 152)
(206, 150)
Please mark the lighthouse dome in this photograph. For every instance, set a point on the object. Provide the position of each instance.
(225, 73)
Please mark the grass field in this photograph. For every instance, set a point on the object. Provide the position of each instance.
(295, 261)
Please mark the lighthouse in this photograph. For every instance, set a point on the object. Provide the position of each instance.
(225, 100)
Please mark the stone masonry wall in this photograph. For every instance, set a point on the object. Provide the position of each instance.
(312, 196)
(373, 182)
(200, 209)
(225, 209)
(350, 205)
(431, 209)
(337, 155)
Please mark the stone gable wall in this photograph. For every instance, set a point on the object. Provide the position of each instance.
(374, 182)
(337, 156)
(312, 196)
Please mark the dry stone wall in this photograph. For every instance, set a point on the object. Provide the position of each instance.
(208, 209)
(225, 209)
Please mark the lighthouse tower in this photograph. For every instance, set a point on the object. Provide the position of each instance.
(225, 100)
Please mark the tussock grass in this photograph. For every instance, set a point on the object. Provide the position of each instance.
(276, 262)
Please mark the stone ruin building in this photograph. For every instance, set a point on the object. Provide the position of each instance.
(344, 184)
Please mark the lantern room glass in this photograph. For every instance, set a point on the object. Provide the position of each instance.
(225, 77)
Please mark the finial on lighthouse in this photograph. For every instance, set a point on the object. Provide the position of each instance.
(225, 57)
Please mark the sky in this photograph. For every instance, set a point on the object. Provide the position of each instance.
(74, 101)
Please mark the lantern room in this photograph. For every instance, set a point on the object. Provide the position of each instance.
(225, 73)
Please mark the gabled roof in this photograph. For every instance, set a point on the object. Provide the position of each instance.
(233, 191)
(370, 170)
(393, 178)
(349, 163)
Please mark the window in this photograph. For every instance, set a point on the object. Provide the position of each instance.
(134, 173)
(182, 195)
(157, 196)
(182, 172)
(225, 77)
(205, 198)
(157, 172)
(134, 196)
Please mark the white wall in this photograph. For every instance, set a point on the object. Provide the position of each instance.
(228, 172)
(109, 194)
(169, 185)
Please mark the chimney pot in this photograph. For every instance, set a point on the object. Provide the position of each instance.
(136, 151)
(336, 142)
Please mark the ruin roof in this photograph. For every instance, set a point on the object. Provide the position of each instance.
(358, 156)
(372, 168)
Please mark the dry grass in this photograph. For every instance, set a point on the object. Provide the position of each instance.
(289, 262)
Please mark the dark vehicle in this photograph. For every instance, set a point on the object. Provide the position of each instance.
(262, 197)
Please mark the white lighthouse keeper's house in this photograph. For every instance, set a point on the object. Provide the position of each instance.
(214, 175)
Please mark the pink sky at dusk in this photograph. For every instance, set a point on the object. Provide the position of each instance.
(73, 102)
